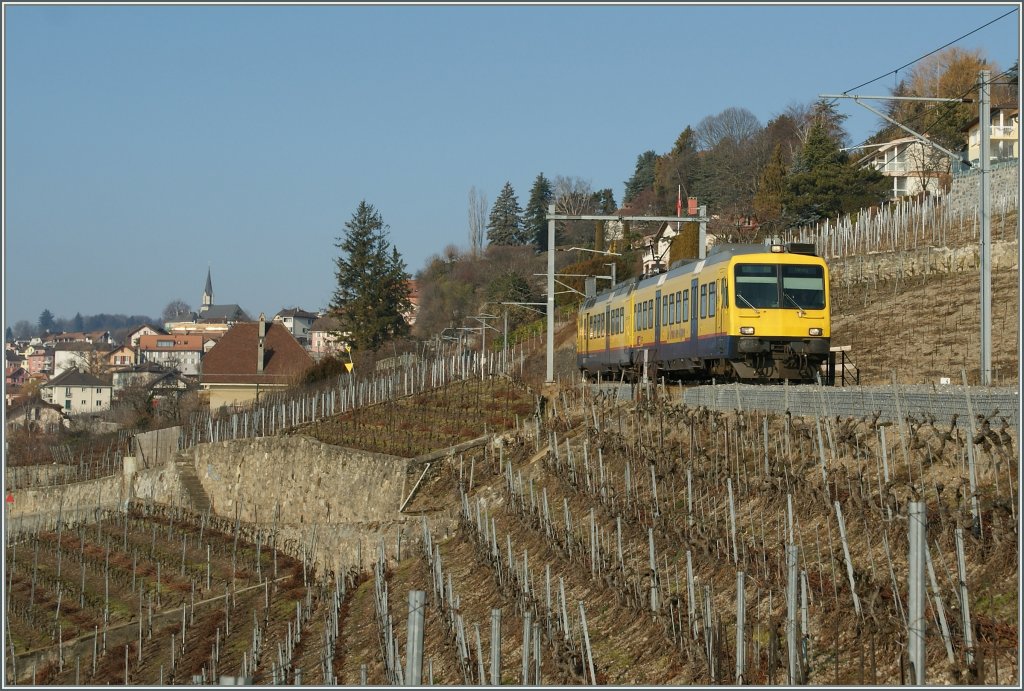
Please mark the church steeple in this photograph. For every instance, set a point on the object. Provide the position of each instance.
(207, 293)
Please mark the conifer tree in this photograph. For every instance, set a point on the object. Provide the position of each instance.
(505, 224)
(771, 188)
(372, 297)
(824, 183)
(46, 321)
(535, 223)
(643, 176)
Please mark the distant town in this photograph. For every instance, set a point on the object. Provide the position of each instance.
(219, 352)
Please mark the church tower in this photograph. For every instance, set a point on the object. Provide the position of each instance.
(207, 293)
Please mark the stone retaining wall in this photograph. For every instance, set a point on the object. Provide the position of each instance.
(889, 265)
(1003, 185)
(40, 506)
(348, 494)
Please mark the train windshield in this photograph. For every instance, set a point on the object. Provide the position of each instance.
(803, 286)
(791, 286)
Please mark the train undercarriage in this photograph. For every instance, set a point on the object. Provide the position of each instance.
(756, 361)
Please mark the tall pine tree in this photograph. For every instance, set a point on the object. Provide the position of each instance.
(372, 297)
(505, 224)
(46, 321)
(824, 183)
(535, 222)
(771, 187)
(643, 176)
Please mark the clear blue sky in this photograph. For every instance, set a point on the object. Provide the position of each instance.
(144, 144)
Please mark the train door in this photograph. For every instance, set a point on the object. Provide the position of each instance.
(588, 329)
(719, 308)
(607, 329)
(694, 346)
(657, 319)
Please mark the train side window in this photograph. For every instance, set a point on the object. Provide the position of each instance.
(678, 306)
(664, 310)
(704, 300)
(686, 305)
(725, 292)
(711, 298)
(671, 308)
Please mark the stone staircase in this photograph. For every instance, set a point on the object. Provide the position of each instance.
(193, 488)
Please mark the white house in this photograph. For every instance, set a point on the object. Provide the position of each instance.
(912, 166)
(77, 354)
(144, 330)
(77, 392)
(298, 321)
(1004, 140)
(173, 351)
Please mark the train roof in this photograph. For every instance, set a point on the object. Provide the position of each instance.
(718, 254)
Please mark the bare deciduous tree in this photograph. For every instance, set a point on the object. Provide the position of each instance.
(737, 124)
(477, 220)
(573, 196)
(176, 310)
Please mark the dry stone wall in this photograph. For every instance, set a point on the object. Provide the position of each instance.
(347, 494)
(926, 260)
(41, 506)
(1004, 186)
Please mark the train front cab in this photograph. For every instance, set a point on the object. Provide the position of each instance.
(779, 326)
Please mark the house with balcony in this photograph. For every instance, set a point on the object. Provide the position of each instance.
(911, 166)
(1004, 136)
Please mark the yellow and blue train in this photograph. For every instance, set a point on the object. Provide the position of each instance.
(755, 313)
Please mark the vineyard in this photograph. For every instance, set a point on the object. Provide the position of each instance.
(439, 418)
(640, 543)
(657, 544)
(154, 595)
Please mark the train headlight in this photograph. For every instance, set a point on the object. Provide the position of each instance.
(749, 330)
(813, 332)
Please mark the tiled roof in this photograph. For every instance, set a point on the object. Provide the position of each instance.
(233, 359)
(232, 312)
(325, 324)
(140, 327)
(150, 342)
(296, 312)
(79, 346)
(73, 377)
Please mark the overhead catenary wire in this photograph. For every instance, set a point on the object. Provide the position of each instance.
(947, 45)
